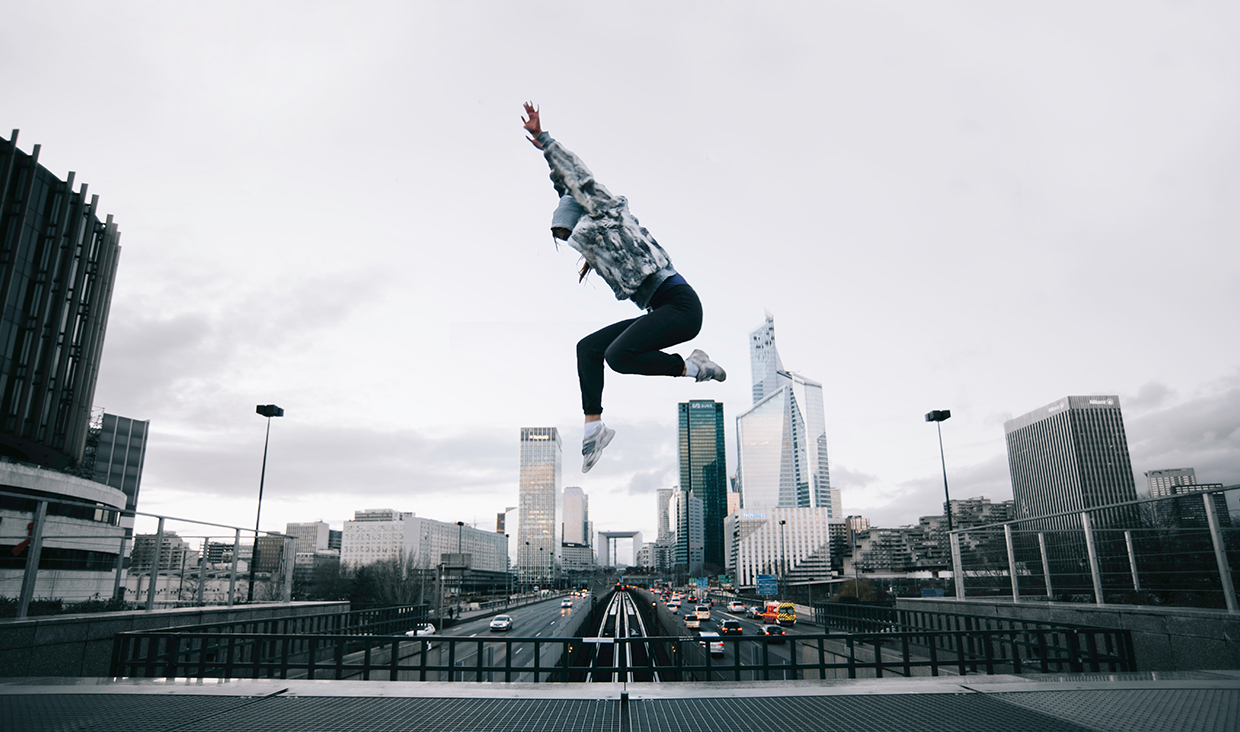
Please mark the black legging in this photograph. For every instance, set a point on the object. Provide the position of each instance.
(633, 346)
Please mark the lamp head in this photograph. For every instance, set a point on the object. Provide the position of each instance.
(269, 410)
(939, 415)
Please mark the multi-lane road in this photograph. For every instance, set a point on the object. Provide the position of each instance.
(539, 621)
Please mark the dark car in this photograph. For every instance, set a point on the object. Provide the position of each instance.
(774, 633)
(730, 627)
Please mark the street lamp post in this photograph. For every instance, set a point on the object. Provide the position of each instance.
(542, 582)
(507, 573)
(783, 560)
(268, 411)
(525, 569)
(939, 416)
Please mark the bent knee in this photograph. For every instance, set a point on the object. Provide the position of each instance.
(620, 360)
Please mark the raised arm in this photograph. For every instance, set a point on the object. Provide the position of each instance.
(532, 124)
(568, 174)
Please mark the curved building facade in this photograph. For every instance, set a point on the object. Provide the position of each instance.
(57, 266)
(81, 535)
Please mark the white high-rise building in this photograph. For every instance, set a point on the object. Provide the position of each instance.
(541, 503)
(382, 534)
(576, 516)
(794, 543)
(663, 516)
(782, 439)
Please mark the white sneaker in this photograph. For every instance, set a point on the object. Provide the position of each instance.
(592, 447)
(707, 369)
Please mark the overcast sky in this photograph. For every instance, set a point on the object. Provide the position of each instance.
(973, 206)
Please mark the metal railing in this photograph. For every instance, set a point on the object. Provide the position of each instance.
(1176, 551)
(81, 549)
(198, 655)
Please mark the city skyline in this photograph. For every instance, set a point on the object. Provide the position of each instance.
(940, 205)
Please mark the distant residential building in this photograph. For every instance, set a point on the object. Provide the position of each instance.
(1161, 482)
(577, 558)
(311, 536)
(541, 502)
(269, 554)
(384, 534)
(703, 470)
(173, 553)
(646, 555)
(1070, 455)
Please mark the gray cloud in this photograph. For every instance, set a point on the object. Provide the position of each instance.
(1151, 395)
(1202, 433)
(317, 460)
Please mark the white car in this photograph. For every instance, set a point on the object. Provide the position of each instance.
(712, 641)
(566, 603)
(703, 612)
(502, 622)
(736, 606)
(422, 629)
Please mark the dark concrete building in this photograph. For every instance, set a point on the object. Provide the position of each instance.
(57, 266)
(703, 472)
(1068, 456)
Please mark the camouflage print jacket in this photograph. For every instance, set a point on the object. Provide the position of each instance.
(609, 237)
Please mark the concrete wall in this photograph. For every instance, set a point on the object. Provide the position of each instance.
(1165, 639)
(81, 645)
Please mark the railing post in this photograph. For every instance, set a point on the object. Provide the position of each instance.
(33, 552)
(1046, 564)
(957, 567)
(1094, 570)
(202, 574)
(1132, 561)
(1011, 552)
(117, 590)
(156, 559)
(1220, 554)
(289, 557)
(232, 577)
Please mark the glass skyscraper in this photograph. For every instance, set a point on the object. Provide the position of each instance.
(703, 471)
(782, 439)
(541, 502)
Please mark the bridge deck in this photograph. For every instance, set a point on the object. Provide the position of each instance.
(1199, 701)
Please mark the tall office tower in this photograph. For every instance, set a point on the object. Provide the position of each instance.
(119, 455)
(703, 471)
(57, 265)
(1161, 482)
(690, 535)
(663, 515)
(1067, 456)
(541, 502)
(782, 439)
(576, 516)
(334, 539)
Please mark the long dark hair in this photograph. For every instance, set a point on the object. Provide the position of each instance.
(585, 270)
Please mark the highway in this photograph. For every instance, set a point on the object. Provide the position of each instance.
(752, 653)
(543, 620)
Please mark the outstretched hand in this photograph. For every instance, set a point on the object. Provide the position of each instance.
(531, 124)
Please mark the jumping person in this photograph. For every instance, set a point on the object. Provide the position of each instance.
(611, 241)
